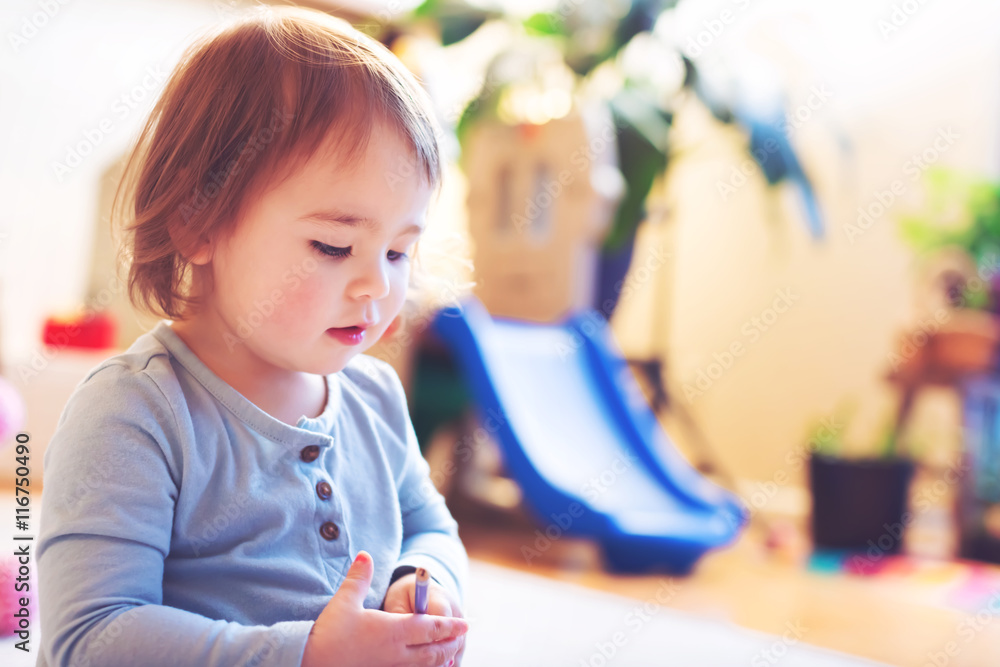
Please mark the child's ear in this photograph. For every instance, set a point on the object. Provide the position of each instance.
(196, 251)
(202, 255)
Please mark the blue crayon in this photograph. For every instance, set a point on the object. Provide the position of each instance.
(420, 593)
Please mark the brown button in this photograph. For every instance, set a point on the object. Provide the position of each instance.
(309, 453)
(323, 490)
(329, 530)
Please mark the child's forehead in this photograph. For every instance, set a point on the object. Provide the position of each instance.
(341, 154)
(363, 196)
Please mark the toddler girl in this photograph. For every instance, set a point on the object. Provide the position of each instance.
(243, 486)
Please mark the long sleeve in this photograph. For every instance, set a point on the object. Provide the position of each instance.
(430, 533)
(110, 486)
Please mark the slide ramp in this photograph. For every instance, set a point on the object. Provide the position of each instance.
(579, 438)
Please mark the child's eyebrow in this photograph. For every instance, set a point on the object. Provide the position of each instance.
(350, 220)
(340, 218)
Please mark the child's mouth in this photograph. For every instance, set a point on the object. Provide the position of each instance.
(348, 335)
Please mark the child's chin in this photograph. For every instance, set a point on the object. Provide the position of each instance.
(339, 363)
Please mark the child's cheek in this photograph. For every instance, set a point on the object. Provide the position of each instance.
(303, 305)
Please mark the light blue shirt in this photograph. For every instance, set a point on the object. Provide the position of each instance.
(182, 525)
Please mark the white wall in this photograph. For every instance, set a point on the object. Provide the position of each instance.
(891, 95)
(83, 81)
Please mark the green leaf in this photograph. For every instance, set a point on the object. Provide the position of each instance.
(456, 20)
(545, 24)
(962, 210)
(888, 447)
(642, 155)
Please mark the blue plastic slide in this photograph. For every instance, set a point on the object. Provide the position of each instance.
(577, 435)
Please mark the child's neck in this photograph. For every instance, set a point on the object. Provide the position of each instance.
(285, 395)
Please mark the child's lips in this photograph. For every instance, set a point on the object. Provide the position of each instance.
(348, 335)
(359, 326)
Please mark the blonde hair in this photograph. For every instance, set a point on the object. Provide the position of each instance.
(247, 104)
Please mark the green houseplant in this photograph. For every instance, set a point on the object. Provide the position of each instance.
(860, 504)
(963, 215)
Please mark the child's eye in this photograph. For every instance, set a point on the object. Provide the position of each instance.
(329, 250)
(396, 256)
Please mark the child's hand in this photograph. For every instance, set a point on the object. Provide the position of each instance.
(400, 599)
(347, 634)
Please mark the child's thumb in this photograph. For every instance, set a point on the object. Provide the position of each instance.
(355, 585)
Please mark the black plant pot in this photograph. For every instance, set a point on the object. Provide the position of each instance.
(859, 505)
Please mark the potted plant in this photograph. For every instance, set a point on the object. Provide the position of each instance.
(859, 503)
(963, 216)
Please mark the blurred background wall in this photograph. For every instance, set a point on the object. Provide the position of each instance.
(871, 100)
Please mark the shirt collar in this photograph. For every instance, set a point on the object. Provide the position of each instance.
(308, 430)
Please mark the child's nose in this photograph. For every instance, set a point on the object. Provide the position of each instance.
(372, 281)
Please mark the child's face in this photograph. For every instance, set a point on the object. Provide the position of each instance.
(287, 276)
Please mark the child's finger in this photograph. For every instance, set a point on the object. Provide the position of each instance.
(439, 605)
(457, 660)
(398, 601)
(426, 629)
(433, 654)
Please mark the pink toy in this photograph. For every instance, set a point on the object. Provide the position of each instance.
(11, 411)
(12, 614)
(11, 421)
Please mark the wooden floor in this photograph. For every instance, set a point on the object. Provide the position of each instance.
(748, 585)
